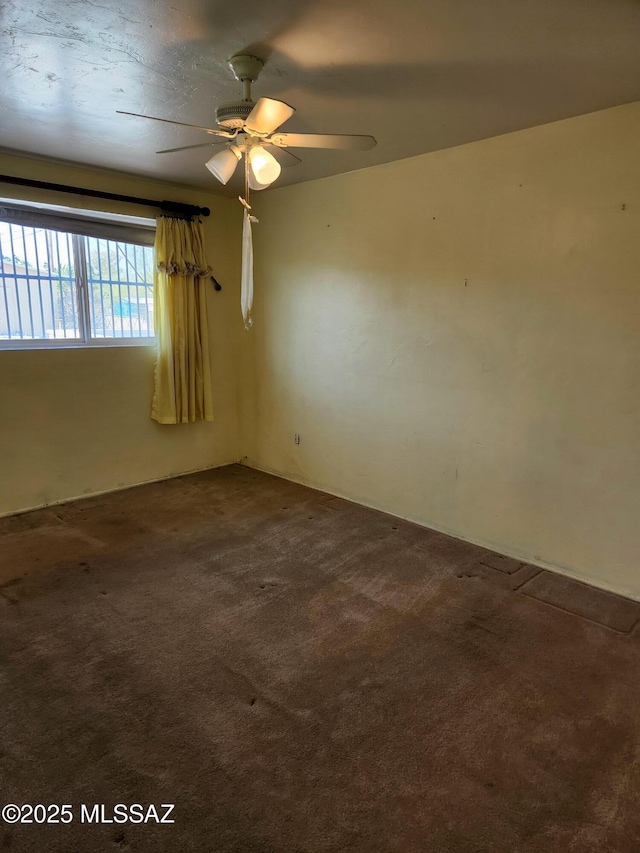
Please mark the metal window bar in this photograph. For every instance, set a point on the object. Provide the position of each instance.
(60, 294)
(142, 290)
(119, 275)
(148, 276)
(60, 316)
(15, 278)
(63, 307)
(109, 245)
(132, 251)
(99, 279)
(135, 266)
(90, 288)
(56, 245)
(26, 269)
(59, 300)
(40, 302)
(113, 312)
(4, 291)
(75, 304)
(50, 268)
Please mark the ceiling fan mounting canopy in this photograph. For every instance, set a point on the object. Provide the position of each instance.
(246, 67)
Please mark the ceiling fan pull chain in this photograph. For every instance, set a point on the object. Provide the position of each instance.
(247, 207)
(245, 201)
(246, 179)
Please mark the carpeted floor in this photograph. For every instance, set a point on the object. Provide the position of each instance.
(298, 673)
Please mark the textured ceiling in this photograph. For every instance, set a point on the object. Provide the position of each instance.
(419, 76)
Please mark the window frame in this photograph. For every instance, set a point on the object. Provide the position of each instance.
(111, 227)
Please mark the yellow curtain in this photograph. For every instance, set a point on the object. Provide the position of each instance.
(181, 279)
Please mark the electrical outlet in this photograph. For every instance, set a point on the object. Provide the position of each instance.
(296, 439)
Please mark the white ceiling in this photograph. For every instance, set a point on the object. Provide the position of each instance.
(419, 76)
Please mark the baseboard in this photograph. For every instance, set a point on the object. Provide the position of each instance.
(118, 488)
(498, 548)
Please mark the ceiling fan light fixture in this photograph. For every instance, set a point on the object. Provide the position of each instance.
(264, 168)
(253, 184)
(223, 164)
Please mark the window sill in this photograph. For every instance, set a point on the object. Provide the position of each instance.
(16, 346)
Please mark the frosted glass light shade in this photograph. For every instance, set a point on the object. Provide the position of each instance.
(223, 164)
(264, 170)
(253, 184)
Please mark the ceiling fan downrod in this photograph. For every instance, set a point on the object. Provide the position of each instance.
(246, 70)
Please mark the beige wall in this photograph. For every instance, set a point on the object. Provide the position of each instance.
(456, 338)
(76, 421)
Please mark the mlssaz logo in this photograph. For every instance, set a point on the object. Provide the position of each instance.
(121, 813)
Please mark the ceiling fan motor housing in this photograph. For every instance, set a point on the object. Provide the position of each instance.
(234, 114)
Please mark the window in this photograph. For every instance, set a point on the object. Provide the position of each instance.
(67, 280)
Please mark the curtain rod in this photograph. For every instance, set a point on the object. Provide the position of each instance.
(168, 206)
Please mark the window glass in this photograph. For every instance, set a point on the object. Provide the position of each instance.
(120, 285)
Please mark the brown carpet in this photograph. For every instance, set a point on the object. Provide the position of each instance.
(298, 673)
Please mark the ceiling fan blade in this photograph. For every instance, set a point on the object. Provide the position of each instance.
(323, 140)
(185, 147)
(267, 115)
(180, 123)
(283, 156)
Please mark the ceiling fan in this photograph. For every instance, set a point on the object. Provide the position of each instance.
(250, 129)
